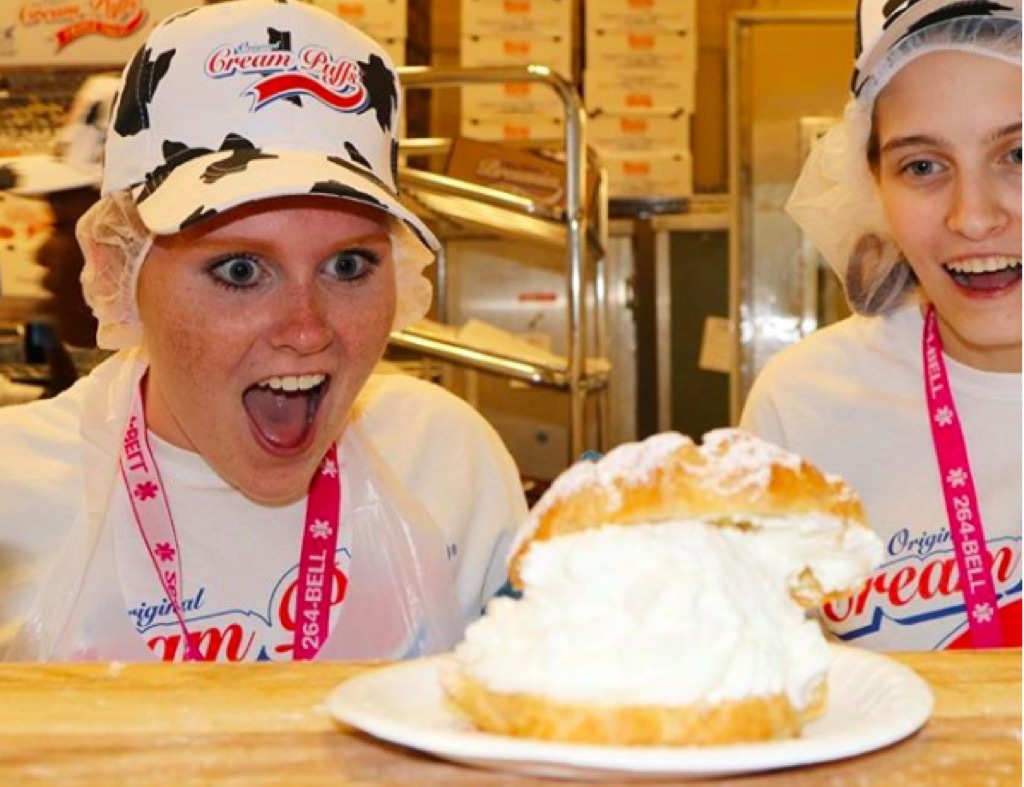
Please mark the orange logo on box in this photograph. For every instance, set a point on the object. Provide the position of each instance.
(351, 10)
(639, 100)
(641, 4)
(636, 167)
(517, 89)
(637, 41)
(516, 47)
(517, 6)
(516, 132)
(633, 125)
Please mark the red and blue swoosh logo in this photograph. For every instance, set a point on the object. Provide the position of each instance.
(352, 98)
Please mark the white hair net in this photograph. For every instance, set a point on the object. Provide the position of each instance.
(836, 200)
(115, 244)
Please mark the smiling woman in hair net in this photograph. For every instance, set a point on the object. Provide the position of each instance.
(233, 484)
(915, 201)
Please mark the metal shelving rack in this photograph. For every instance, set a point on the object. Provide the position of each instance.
(466, 204)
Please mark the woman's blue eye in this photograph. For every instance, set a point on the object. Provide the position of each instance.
(921, 167)
(236, 271)
(352, 264)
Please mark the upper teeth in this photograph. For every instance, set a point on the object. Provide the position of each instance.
(293, 382)
(983, 264)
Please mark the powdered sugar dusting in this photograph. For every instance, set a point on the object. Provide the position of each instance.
(632, 463)
(635, 462)
(739, 460)
(579, 476)
(845, 492)
(735, 461)
(571, 481)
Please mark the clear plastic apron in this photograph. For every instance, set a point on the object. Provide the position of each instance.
(401, 600)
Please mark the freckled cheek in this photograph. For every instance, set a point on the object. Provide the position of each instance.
(913, 223)
(184, 357)
(363, 324)
(196, 352)
(364, 331)
(1013, 206)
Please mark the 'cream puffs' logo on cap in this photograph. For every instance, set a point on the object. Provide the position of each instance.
(336, 82)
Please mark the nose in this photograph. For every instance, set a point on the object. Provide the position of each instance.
(302, 324)
(978, 210)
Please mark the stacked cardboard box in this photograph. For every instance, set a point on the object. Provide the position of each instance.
(515, 33)
(384, 20)
(639, 85)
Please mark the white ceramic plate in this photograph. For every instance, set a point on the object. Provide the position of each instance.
(873, 701)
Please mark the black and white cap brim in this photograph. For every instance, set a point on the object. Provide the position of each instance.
(210, 184)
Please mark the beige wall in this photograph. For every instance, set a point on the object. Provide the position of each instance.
(709, 126)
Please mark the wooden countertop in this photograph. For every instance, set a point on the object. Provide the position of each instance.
(100, 724)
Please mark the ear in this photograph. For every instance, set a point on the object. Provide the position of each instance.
(878, 277)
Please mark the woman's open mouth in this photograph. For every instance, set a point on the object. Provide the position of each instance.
(282, 409)
(985, 274)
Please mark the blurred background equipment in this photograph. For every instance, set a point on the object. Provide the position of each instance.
(787, 77)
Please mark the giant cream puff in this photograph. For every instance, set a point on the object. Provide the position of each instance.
(666, 591)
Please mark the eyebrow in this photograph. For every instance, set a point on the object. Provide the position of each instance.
(925, 139)
(1005, 131)
(897, 143)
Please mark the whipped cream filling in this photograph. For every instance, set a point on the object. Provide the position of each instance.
(675, 613)
(840, 556)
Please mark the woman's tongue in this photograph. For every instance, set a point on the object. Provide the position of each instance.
(990, 281)
(282, 417)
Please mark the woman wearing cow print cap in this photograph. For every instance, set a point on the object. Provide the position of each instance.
(915, 200)
(234, 484)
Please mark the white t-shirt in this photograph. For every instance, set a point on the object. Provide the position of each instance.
(443, 459)
(239, 565)
(850, 398)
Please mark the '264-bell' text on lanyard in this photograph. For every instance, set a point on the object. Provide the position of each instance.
(973, 560)
(152, 512)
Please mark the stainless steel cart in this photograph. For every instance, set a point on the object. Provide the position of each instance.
(457, 205)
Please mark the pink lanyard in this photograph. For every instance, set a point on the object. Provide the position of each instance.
(972, 557)
(156, 525)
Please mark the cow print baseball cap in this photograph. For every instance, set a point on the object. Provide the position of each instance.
(884, 24)
(235, 102)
